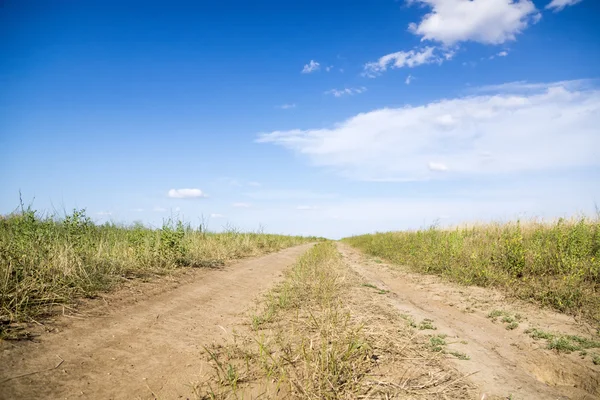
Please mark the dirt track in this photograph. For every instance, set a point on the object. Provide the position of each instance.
(147, 350)
(502, 362)
(153, 348)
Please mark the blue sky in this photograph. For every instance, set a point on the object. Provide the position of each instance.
(306, 117)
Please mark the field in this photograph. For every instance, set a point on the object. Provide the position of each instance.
(555, 264)
(487, 312)
(47, 260)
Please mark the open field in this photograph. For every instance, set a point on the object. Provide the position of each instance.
(313, 321)
(555, 264)
(45, 261)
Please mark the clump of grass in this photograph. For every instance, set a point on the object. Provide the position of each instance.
(427, 324)
(460, 355)
(46, 260)
(564, 343)
(379, 291)
(437, 343)
(556, 264)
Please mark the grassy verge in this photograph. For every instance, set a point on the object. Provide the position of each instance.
(325, 334)
(555, 264)
(45, 260)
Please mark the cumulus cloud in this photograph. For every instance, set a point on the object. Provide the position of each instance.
(346, 91)
(241, 205)
(484, 21)
(546, 127)
(400, 59)
(558, 5)
(312, 66)
(185, 193)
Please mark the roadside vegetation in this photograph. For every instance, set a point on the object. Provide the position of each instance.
(321, 334)
(47, 260)
(555, 264)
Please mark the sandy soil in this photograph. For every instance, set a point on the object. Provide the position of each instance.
(503, 363)
(147, 348)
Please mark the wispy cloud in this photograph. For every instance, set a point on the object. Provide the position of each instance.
(483, 21)
(254, 183)
(558, 5)
(288, 194)
(287, 106)
(159, 209)
(215, 215)
(306, 208)
(241, 205)
(138, 210)
(410, 59)
(312, 66)
(185, 193)
(329, 68)
(104, 213)
(409, 79)
(547, 127)
(346, 91)
(502, 54)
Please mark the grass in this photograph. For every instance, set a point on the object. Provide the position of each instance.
(563, 343)
(512, 320)
(46, 260)
(316, 337)
(305, 344)
(554, 264)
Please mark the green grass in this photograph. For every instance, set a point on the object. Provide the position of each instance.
(555, 264)
(46, 260)
(565, 343)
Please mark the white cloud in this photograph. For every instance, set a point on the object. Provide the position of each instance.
(159, 209)
(185, 193)
(329, 68)
(241, 205)
(502, 54)
(104, 213)
(312, 66)
(400, 59)
(433, 166)
(306, 208)
(558, 5)
(551, 127)
(409, 79)
(483, 21)
(346, 91)
(214, 215)
(287, 106)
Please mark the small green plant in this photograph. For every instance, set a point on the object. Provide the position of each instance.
(379, 291)
(460, 355)
(596, 359)
(427, 324)
(513, 325)
(437, 343)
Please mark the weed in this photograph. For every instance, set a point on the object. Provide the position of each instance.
(459, 355)
(426, 324)
(379, 291)
(596, 359)
(437, 343)
(512, 325)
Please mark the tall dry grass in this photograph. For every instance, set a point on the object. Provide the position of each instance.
(46, 260)
(556, 264)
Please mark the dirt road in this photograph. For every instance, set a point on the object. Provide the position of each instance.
(503, 363)
(147, 350)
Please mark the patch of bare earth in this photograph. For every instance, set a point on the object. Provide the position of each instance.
(502, 363)
(135, 345)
